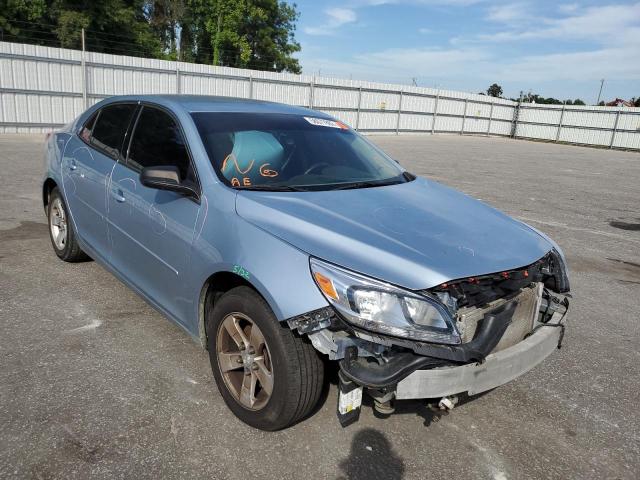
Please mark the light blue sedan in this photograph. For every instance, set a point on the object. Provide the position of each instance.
(277, 236)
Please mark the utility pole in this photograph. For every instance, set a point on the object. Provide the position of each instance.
(600, 92)
(84, 72)
(216, 43)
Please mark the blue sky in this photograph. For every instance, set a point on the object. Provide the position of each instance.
(553, 48)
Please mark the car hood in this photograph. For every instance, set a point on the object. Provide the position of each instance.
(417, 234)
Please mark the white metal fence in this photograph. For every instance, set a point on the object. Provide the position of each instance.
(44, 87)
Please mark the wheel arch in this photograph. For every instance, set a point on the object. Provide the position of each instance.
(213, 288)
(47, 187)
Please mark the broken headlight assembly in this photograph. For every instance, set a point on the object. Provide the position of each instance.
(382, 308)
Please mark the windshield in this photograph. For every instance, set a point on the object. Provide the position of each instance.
(292, 152)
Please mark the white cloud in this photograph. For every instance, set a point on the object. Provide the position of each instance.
(507, 13)
(431, 61)
(607, 24)
(568, 7)
(425, 31)
(399, 65)
(607, 37)
(611, 63)
(454, 67)
(340, 16)
(337, 17)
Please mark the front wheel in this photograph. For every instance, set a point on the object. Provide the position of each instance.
(63, 237)
(269, 377)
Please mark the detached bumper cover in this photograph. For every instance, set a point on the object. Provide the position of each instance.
(497, 369)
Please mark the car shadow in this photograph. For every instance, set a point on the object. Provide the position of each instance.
(371, 456)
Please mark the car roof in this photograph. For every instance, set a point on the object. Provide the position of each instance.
(210, 103)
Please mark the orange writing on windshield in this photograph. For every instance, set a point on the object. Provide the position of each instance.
(267, 172)
(233, 158)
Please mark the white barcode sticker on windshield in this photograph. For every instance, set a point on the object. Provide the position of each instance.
(323, 122)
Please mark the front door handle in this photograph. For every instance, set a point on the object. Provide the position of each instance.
(73, 165)
(118, 194)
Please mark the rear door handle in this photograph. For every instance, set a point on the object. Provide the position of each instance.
(118, 194)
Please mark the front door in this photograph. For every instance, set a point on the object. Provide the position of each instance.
(87, 164)
(152, 230)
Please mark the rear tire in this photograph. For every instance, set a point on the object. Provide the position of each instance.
(63, 237)
(249, 347)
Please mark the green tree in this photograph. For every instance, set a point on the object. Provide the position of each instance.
(166, 18)
(251, 33)
(26, 21)
(112, 26)
(255, 34)
(577, 101)
(494, 90)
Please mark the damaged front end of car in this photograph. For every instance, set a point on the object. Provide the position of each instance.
(463, 336)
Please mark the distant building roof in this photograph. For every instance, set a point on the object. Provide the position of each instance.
(618, 102)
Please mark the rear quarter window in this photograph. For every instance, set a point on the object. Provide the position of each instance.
(87, 128)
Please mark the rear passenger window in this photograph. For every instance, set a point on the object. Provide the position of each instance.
(158, 141)
(108, 132)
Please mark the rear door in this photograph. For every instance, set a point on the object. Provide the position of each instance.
(152, 230)
(86, 171)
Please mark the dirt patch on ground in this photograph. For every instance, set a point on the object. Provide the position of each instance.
(27, 230)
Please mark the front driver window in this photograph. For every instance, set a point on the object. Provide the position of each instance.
(158, 141)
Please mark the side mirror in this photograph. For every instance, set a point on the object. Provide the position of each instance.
(165, 177)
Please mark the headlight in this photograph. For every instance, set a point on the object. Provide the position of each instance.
(383, 308)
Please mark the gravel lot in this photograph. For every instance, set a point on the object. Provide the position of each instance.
(93, 381)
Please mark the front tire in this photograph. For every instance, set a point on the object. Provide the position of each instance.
(63, 237)
(269, 377)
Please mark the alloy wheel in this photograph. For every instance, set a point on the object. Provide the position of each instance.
(58, 224)
(244, 361)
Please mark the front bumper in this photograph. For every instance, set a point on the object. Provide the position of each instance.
(497, 368)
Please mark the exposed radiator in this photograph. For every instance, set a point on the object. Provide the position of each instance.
(523, 321)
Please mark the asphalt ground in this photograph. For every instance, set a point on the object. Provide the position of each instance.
(94, 382)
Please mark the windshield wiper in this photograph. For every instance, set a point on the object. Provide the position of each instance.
(273, 188)
(365, 184)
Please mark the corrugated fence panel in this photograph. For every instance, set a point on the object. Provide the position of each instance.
(450, 107)
(627, 140)
(42, 88)
(543, 132)
(448, 124)
(225, 87)
(503, 112)
(414, 122)
(412, 103)
(478, 109)
(285, 93)
(629, 121)
(332, 97)
(580, 118)
(380, 100)
(586, 136)
(378, 120)
(540, 115)
(500, 127)
(476, 125)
